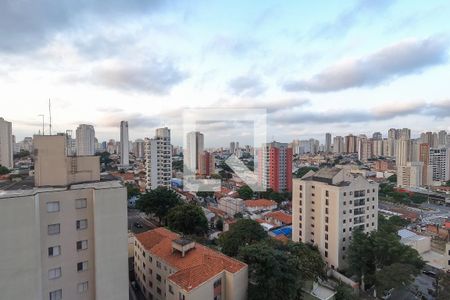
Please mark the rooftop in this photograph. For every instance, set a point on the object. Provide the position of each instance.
(197, 266)
(280, 216)
(259, 203)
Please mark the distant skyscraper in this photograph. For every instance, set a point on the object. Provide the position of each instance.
(232, 147)
(85, 140)
(138, 148)
(328, 142)
(364, 149)
(439, 162)
(377, 136)
(424, 157)
(275, 167)
(207, 164)
(442, 138)
(6, 144)
(158, 159)
(351, 144)
(338, 144)
(193, 151)
(124, 144)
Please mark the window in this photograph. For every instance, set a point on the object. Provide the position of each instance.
(326, 253)
(54, 273)
(53, 206)
(56, 295)
(327, 194)
(181, 296)
(82, 287)
(344, 221)
(326, 245)
(343, 248)
(158, 264)
(326, 201)
(345, 194)
(150, 283)
(82, 245)
(326, 210)
(80, 203)
(326, 219)
(301, 188)
(54, 251)
(150, 258)
(326, 227)
(158, 277)
(158, 290)
(81, 224)
(53, 229)
(312, 194)
(343, 239)
(301, 195)
(326, 237)
(343, 230)
(313, 187)
(82, 266)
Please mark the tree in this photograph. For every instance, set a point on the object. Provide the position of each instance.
(177, 165)
(245, 192)
(392, 178)
(188, 219)
(443, 289)
(21, 154)
(303, 171)
(391, 225)
(219, 224)
(244, 232)
(344, 292)
(204, 194)
(394, 276)
(132, 190)
(4, 170)
(158, 202)
(273, 273)
(360, 255)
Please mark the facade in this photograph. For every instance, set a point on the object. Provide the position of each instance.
(260, 205)
(230, 205)
(328, 142)
(158, 159)
(170, 267)
(410, 175)
(424, 157)
(338, 144)
(207, 165)
(139, 148)
(70, 241)
(194, 148)
(351, 144)
(364, 149)
(124, 145)
(85, 137)
(6, 144)
(328, 205)
(439, 162)
(275, 167)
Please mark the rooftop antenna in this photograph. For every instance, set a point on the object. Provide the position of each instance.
(50, 114)
(43, 130)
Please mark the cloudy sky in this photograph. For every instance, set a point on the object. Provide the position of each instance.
(316, 66)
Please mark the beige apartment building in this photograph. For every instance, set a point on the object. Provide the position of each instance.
(170, 267)
(328, 205)
(64, 232)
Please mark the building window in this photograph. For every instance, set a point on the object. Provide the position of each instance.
(56, 295)
(53, 206)
(170, 289)
(301, 188)
(326, 227)
(53, 229)
(82, 266)
(158, 290)
(150, 283)
(150, 258)
(326, 245)
(326, 237)
(82, 224)
(343, 239)
(181, 296)
(343, 257)
(344, 221)
(54, 273)
(343, 230)
(80, 203)
(158, 264)
(82, 245)
(343, 248)
(54, 251)
(326, 253)
(345, 194)
(326, 202)
(312, 194)
(158, 277)
(326, 210)
(327, 194)
(300, 233)
(313, 187)
(82, 287)
(326, 219)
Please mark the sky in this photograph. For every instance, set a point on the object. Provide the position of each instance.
(316, 66)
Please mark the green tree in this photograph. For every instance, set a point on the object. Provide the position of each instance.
(303, 170)
(392, 178)
(360, 256)
(273, 273)
(244, 232)
(344, 292)
(158, 202)
(22, 154)
(205, 194)
(394, 276)
(443, 289)
(245, 192)
(391, 225)
(188, 219)
(4, 170)
(219, 224)
(177, 165)
(132, 190)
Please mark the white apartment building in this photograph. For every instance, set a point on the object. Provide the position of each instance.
(124, 145)
(328, 205)
(168, 267)
(64, 234)
(410, 175)
(6, 144)
(439, 162)
(193, 149)
(158, 159)
(85, 137)
(338, 144)
(139, 148)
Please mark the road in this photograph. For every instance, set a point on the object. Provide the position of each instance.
(134, 216)
(420, 287)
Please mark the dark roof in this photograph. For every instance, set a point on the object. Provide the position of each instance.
(26, 184)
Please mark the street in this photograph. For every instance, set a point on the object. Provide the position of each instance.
(135, 216)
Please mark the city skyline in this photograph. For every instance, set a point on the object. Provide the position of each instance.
(145, 62)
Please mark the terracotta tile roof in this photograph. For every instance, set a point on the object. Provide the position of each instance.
(279, 215)
(197, 266)
(217, 211)
(259, 203)
(282, 238)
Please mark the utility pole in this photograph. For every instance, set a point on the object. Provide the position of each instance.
(50, 114)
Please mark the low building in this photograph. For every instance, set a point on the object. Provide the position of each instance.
(231, 205)
(168, 266)
(419, 242)
(278, 218)
(260, 204)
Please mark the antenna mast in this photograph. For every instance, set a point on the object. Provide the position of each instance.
(50, 114)
(43, 127)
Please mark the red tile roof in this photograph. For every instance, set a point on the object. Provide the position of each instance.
(280, 216)
(197, 266)
(259, 203)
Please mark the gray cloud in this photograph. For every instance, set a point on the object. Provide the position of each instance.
(247, 86)
(154, 77)
(27, 24)
(135, 120)
(236, 46)
(405, 57)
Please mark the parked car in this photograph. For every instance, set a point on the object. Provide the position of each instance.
(137, 225)
(429, 273)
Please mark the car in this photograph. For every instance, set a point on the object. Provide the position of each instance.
(429, 273)
(137, 225)
(387, 294)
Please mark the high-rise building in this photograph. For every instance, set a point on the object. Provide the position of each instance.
(275, 167)
(232, 147)
(85, 140)
(138, 148)
(338, 144)
(351, 144)
(193, 150)
(424, 157)
(365, 148)
(377, 136)
(207, 164)
(377, 147)
(439, 163)
(70, 241)
(6, 144)
(410, 175)
(158, 159)
(328, 142)
(124, 145)
(442, 138)
(405, 133)
(328, 206)
(403, 152)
